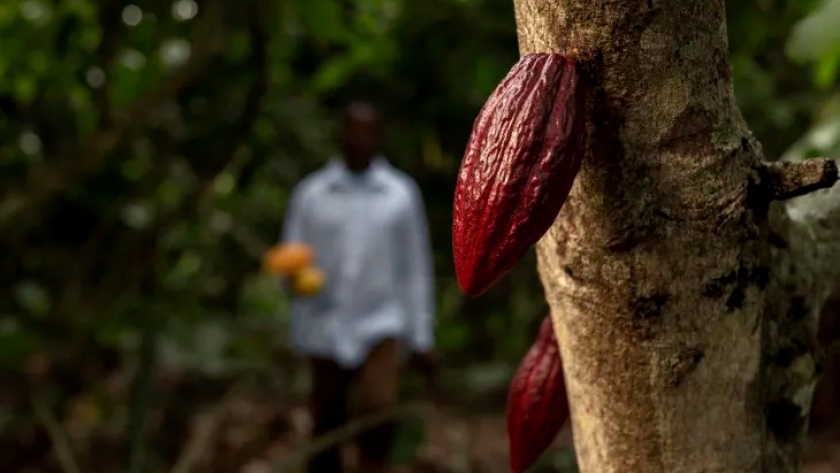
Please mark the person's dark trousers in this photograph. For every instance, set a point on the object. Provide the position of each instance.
(330, 385)
(379, 381)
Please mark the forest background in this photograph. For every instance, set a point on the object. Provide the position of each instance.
(147, 153)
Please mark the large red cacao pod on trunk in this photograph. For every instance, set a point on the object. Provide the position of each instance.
(537, 405)
(523, 155)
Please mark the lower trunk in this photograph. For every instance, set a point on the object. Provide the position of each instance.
(666, 294)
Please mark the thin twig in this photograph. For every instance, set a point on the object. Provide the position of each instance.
(111, 27)
(204, 433)
(141, 398)
(347, 431)
(202, 438)
(60, 440)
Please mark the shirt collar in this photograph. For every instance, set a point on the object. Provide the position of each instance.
(342, 178)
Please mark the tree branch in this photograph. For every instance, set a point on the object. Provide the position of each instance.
(259, 65)
(229, 137)
(205, 432)
(110, 24)
(60, 441)
(203, 436)
(341, 434)
(793, 179)
(141, 393)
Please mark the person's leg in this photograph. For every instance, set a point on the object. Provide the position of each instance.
(328, 404)
(379, 383)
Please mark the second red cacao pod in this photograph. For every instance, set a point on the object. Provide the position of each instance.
(524, 152)
(537, 406)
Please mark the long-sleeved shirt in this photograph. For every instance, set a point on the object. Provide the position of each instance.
(370, 236)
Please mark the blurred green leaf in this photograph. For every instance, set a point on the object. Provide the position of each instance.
(826, 69)
(323, 19)
(816, 35)
(33, 297)
(15, 347)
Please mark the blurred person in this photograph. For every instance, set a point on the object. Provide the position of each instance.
(367, 224)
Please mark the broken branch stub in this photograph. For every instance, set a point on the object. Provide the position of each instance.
(793, 179)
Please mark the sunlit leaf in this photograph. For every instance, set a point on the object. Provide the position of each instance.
(826, 69)
(816, 35)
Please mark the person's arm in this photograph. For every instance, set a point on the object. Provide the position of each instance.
(419, 277)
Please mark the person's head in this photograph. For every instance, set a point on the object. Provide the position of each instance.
(361, 134)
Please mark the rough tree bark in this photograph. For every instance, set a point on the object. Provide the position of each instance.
(686, 324)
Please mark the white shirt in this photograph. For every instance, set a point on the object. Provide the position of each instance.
(371, 238)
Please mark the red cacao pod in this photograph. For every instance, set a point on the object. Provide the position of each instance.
(523, 155)
(537, 406)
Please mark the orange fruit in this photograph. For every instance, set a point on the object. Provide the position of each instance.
(288, 258)
(308, 281)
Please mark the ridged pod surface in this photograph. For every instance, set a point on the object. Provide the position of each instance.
(537, 406)
(523, 154)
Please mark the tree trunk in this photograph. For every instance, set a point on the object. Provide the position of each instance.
(686, 325)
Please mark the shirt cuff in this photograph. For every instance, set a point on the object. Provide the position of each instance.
(421, 340)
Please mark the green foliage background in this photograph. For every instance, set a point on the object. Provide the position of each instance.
(147, 152)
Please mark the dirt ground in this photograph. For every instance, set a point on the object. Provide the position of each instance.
(249, 432)
(454, 444)
(478, 444)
